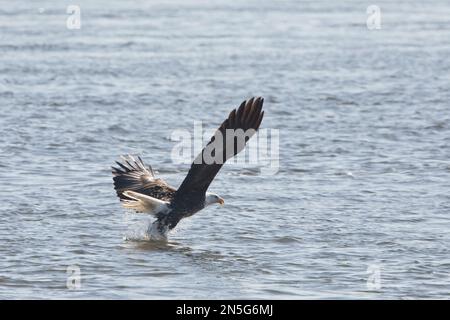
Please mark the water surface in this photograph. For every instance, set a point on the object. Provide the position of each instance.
(364, 122)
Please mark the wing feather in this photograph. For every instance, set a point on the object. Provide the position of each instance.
(134, 175)
(248, 116)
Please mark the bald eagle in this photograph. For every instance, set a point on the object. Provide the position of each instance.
(139, 189)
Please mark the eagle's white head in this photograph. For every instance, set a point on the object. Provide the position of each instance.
(212, 198)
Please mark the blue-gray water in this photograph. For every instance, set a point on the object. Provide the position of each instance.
(364, 122)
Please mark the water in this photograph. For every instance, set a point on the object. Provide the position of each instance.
(364, 179)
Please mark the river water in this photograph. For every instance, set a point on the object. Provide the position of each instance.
(359, 205)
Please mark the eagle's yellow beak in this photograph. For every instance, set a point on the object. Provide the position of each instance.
(221, 201)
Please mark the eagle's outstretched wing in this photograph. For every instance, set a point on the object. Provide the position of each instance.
(202, 172)
(134, 175)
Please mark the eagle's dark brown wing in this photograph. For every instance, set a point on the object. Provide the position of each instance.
(134, 175)
(202, 172)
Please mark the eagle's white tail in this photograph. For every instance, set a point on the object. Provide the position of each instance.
(143, 203)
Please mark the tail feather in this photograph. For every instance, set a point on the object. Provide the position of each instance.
(145, 204)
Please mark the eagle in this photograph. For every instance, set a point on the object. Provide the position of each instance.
(140, 190)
